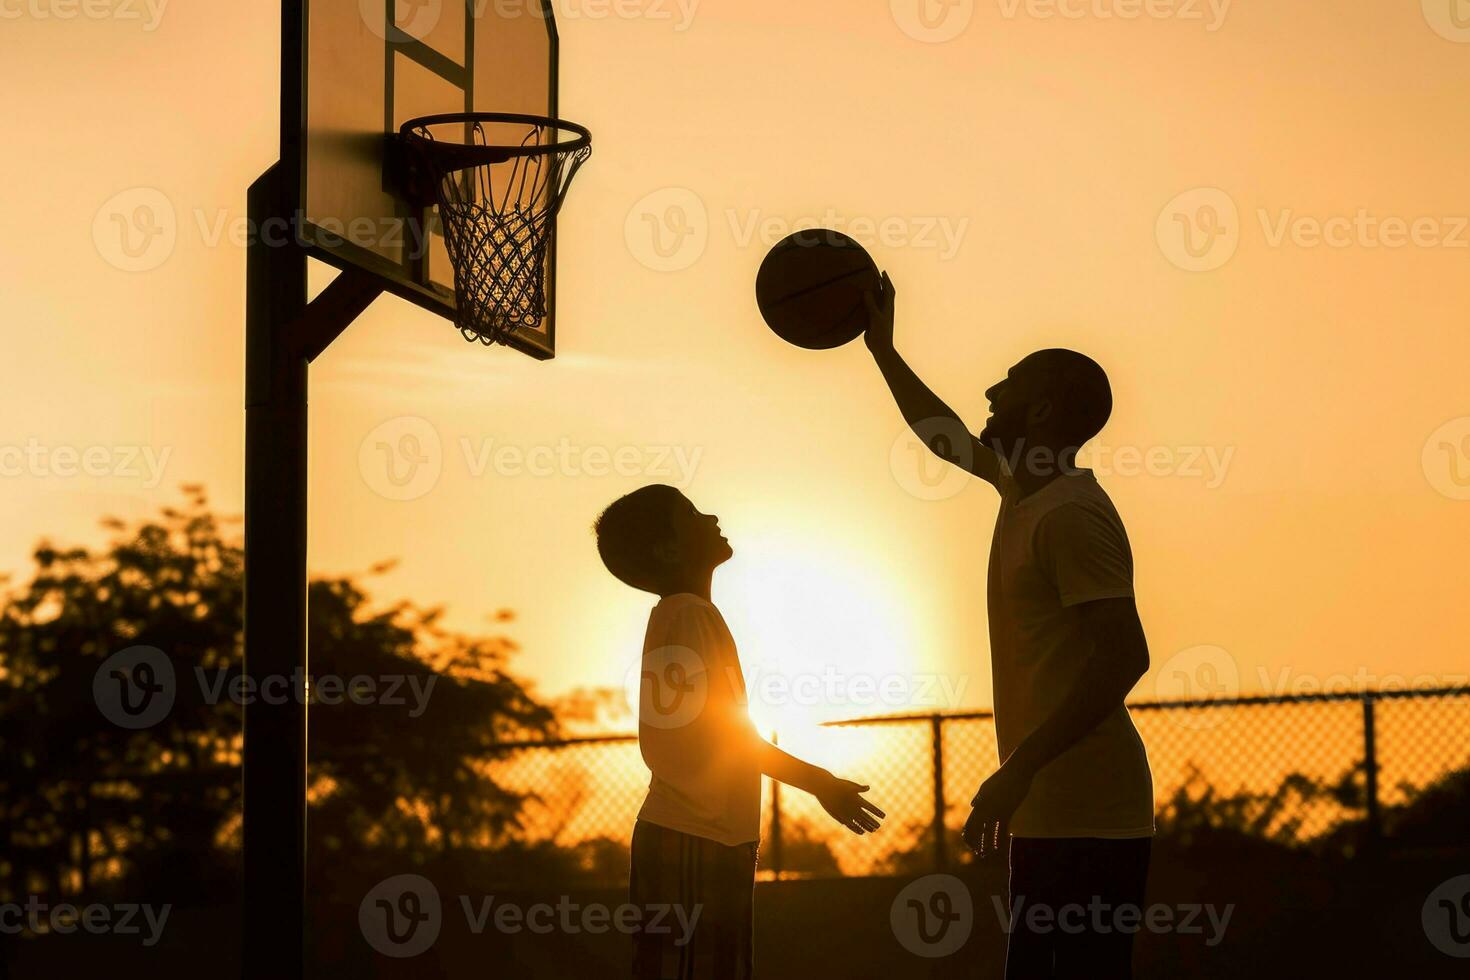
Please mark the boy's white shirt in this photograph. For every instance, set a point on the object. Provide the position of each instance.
(1054, 550)
(694, 730)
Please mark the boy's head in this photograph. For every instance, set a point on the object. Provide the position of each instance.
(1057, 399)
(654, 539)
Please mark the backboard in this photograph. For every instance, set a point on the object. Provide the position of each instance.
(367, 66)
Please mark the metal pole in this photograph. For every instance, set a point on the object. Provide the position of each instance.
(774, 850)
(936, 731)
(275, 589)
(1370, 770)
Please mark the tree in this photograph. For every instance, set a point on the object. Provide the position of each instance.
(88, 804)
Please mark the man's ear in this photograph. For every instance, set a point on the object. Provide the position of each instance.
(1039, 411)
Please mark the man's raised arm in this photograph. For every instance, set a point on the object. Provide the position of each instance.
(934, 422)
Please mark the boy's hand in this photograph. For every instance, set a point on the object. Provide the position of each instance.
(879, 335)
(844, 803)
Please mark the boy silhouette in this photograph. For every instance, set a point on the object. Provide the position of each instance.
(1073, 797)
(694, 844)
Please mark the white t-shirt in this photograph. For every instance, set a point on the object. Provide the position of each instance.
(1061, 546)
(694, 729)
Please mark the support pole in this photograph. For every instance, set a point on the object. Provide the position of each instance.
(283, 334)
(1373, 814)
(275, 589)
(936, 738)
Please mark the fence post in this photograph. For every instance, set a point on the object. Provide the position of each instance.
(936, 730)
(774, 845)
(1370, 771)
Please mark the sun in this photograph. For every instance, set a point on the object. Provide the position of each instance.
(823, 636)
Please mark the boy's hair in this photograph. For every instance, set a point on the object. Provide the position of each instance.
(1083, 396)
(629, 530)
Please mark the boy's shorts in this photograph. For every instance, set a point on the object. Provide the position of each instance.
(699, 877)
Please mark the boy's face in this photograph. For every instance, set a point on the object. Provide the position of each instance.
(697, 544)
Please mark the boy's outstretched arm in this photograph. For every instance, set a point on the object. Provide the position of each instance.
(934, 422)
(841, 798)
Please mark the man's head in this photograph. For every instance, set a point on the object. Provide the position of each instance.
(1053, 399)
(654, 539)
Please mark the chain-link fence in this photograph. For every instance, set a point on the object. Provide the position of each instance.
(1343, 772)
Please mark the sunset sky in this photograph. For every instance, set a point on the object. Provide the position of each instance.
(1291, 443)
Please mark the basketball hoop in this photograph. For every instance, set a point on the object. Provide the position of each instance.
(499, 180)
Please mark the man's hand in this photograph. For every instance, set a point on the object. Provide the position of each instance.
(879, 335)
(995, 803)
(844, 803)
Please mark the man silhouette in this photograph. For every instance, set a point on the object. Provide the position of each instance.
(1073, 796)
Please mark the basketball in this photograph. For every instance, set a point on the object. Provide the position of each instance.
(811, 289)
